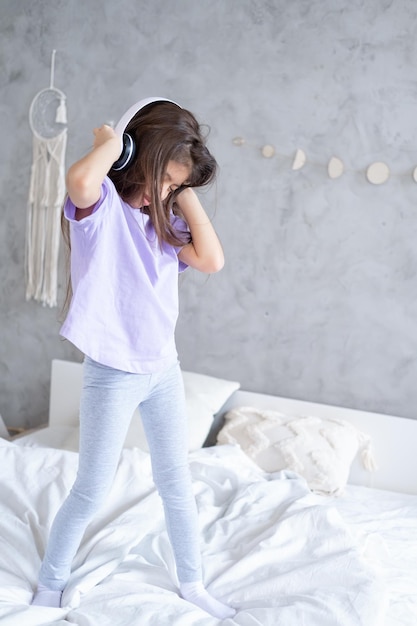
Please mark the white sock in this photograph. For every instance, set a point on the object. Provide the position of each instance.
(47, 597)
(197, 594)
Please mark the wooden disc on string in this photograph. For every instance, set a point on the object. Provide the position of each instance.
(299, 159)
(377, 173)
(335, 168)
(268, 151)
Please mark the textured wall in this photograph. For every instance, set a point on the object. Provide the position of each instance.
(318, 296)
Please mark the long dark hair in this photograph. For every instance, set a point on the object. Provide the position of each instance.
(164, 132)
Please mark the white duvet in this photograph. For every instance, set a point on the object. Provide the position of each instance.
(279, 554)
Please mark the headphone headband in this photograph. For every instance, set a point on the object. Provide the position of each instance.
(127, 146)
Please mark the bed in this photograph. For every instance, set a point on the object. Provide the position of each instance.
(329, 545)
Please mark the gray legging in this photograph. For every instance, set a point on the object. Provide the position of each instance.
(108, 401)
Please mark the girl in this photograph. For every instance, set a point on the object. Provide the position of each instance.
(135, 222)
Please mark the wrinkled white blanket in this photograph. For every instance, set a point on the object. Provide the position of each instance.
(278, 553)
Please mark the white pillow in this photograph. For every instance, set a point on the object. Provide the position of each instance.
(205, 395)
(320, 450)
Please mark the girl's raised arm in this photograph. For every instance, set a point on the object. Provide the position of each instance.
(84, 178)
(204, 252)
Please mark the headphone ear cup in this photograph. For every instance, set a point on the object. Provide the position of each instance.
(127, 155)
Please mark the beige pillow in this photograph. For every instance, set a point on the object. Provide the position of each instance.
(320, 450)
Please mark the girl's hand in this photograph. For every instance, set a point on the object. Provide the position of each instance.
(104, 133)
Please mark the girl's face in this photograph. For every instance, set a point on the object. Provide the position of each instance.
(175, 176)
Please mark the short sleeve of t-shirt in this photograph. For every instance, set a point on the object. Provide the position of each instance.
(106, 195)
(181, 227)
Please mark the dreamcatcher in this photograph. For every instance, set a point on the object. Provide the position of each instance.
(48, 119)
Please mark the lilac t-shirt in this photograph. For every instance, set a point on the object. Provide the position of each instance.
(125, 288)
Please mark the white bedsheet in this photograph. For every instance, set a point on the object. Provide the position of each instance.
(281, 555)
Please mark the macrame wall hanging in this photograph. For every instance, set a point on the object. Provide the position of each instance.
(48, 119)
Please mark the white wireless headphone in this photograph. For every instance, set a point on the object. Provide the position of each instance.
(127, 144)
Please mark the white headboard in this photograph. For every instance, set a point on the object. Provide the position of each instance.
(65, 392)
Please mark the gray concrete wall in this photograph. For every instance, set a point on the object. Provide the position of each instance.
(318, 296)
